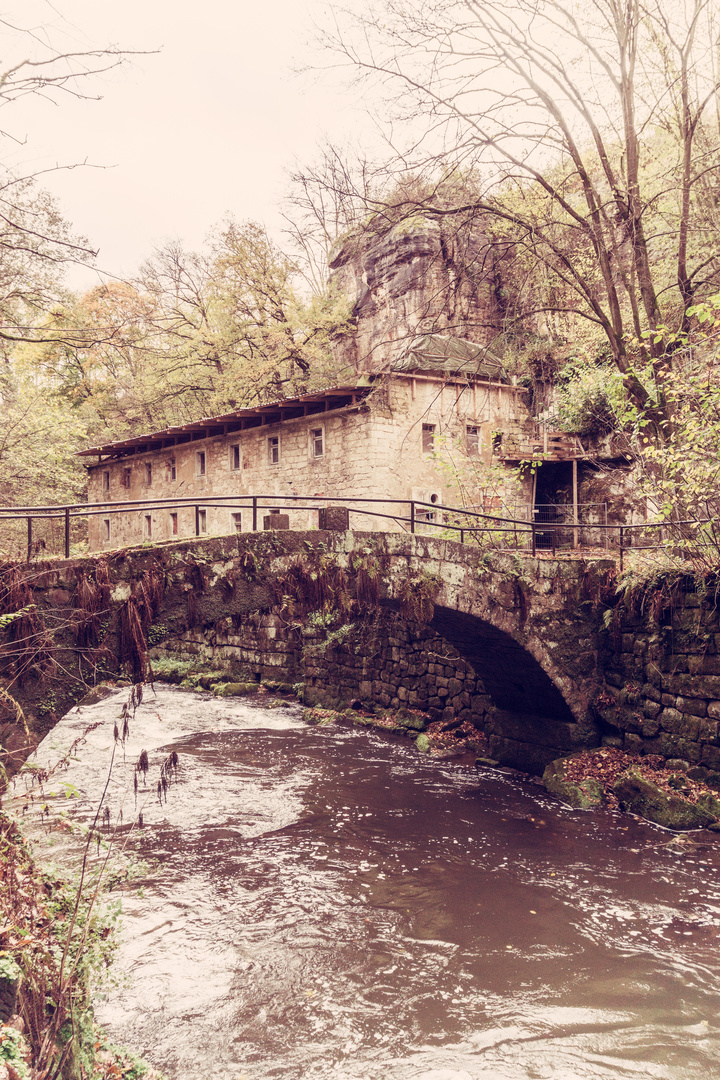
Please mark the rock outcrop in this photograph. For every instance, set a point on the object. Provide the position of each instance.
(418, 278)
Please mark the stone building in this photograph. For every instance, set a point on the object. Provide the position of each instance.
(422, 400)
(378, 438)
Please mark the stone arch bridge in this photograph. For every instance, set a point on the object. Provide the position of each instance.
(505, 642)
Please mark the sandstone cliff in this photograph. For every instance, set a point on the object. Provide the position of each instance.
(420, 277)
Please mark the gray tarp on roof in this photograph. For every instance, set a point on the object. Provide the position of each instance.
(436, 352)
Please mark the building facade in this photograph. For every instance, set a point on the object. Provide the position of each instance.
(394, 436)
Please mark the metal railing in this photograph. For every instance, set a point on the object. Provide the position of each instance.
(532, 532)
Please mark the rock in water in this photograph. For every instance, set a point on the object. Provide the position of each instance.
(640, 796)
(582, 794)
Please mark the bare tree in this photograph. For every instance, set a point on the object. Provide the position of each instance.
(586, 127)
(36, 243)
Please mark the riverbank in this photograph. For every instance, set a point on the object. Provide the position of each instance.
(56, 941)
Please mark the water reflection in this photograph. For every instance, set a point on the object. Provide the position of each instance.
(326, 903)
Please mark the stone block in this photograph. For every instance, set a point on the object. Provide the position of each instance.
(693, 706)
(333, 518)
(674, 746)
(708, 730)
(641, 796)
(651, 709)
(650, 727)
(711, 757)
(713, 709)
(276, 521)
(653, 675)
(678, 723)
(652, 692)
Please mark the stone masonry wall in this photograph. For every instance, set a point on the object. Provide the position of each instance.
(386, 661)
(662, 682)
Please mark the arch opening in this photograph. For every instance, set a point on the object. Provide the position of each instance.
(530, 723)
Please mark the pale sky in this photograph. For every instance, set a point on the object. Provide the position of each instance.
(206, 127)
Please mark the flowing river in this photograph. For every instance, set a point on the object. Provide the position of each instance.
(325, 903)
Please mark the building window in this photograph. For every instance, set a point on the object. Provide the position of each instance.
(236, 522)
(200, 463)
(172, 469)
(235, 456)
(273, 445)
(428, 438)
(424, 513)
(126, 474)
(173, 524)
(106, 482)
(106, 527)
(202, 521)
(148, 525)
(148, 473)
(317, 442)
(472, 440)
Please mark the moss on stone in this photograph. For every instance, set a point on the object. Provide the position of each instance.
(235, 689)
(640, 796)
(583, 794)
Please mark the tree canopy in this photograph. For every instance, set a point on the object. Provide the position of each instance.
(590, 134)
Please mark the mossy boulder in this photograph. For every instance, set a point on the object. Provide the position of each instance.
(706, 776)
(279, 687)
(583, 794)
(640, 796)
(235, 689)
(710, 803)
(423, 744)
(412, 720)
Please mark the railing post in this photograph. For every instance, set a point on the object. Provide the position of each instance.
(254, 509)
(621, 548)
(29, 539)
(197, 520)
(532, 534)
(462, 536)
(67, 532)
(607, 534)
(554, 540)
(412, 516)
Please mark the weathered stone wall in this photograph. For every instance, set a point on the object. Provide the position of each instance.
(386, 661)
(661, 692)
(520, 626)
(515, 647)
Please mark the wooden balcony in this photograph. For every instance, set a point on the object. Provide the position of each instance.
(541, 445)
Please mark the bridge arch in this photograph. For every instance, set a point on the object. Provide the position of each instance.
(524, 626)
